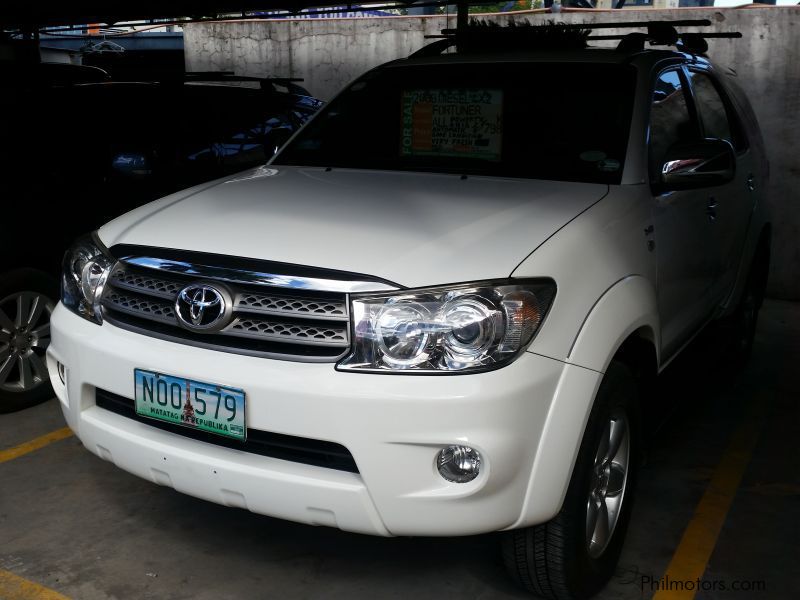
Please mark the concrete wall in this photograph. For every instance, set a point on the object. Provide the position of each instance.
(329, 53)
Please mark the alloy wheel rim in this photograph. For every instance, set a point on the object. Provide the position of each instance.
(609, 476)
(24, 337)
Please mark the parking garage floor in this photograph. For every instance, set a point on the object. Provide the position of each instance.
(719, 497)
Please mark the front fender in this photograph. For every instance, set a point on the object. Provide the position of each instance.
(626, 307)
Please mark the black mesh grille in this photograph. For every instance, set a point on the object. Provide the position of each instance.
(291, 331)
(285, 447)
(146, 284)
(138, 305)
(271, 304)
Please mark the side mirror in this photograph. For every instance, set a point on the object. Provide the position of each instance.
(704, 163)
(131, 165)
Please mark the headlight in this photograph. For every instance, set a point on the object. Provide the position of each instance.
(85, 270)
(462, 328)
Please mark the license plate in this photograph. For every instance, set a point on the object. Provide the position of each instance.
(202, 406)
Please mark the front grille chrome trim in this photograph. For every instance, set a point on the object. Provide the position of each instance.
(248, 277)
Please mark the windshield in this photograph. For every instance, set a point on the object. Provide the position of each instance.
(558, 121)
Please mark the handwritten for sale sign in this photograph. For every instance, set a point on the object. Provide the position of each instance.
(460, 122)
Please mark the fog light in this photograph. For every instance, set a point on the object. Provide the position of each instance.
(61, 372)
(459, 464)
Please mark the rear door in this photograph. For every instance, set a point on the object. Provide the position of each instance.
(734, 201)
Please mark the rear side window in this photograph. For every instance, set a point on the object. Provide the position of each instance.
(715, 113)
(670, 119)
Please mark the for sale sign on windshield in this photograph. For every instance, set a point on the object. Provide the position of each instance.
(457, 122)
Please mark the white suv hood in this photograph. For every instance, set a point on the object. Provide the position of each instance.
(409, 228)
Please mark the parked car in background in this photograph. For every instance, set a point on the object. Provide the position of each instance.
(79, 150)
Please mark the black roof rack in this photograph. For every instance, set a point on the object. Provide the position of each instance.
(480, 36)
(661, 35)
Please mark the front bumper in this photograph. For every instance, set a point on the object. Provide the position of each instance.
(394, 426)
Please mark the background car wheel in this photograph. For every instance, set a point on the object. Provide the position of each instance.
(27, 298)
(574, 555)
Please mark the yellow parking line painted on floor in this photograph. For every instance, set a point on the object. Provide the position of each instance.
(35, 444)
(700, 537)
(13, 587)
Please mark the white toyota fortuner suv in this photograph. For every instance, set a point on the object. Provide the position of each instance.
(435, 311)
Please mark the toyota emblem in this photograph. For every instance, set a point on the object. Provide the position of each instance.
(201, 307)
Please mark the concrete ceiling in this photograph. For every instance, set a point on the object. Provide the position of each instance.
(29, 14)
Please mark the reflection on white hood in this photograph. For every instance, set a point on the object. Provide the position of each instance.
(414, 229)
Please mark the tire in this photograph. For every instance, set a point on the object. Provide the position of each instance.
(567, 558)
(24, 380)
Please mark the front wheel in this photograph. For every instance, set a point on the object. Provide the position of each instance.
(574, 555)
(27, 299)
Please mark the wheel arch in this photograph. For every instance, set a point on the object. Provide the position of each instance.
(639, 353)
(623, 319)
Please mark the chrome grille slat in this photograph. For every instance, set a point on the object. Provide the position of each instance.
(265, 321)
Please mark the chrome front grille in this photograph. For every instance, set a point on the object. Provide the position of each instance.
(265, 320)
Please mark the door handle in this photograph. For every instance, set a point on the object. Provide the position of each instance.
(711, 209)
(751, 182)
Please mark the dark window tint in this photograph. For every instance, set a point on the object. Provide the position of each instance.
(670, 119)
(714, 111)
(561, 121)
